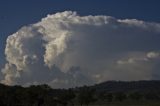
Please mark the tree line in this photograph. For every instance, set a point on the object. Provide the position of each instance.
(44, 95)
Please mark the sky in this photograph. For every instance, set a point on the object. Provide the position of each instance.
(141, 48)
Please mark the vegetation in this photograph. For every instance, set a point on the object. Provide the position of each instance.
(112, 93)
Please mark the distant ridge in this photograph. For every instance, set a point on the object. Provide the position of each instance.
(129, 86)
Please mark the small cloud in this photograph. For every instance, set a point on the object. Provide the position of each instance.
(153, 54)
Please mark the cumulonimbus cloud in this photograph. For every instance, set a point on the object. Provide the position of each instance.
(66, 50)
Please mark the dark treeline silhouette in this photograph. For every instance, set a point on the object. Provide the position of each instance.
(111, 92)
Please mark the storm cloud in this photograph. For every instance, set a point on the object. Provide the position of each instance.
(68, 50)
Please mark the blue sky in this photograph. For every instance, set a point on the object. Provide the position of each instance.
(14, 14)
(17, 13)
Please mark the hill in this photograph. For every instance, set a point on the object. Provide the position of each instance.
(129, 86)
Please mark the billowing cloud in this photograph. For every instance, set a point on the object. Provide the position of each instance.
(67, 50)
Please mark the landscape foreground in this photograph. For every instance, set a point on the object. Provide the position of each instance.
(110, 93)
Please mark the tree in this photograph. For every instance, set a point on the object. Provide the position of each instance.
(86, 96)
(101, 95)
(152, 96)
(109, 97)
(66, 96)
(120, 96)
(135, 96)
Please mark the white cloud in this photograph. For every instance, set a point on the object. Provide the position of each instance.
(153, 54)
(45, 52)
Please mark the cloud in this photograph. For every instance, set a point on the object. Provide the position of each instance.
(139, 65)
(153, 54)
(66, 50)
